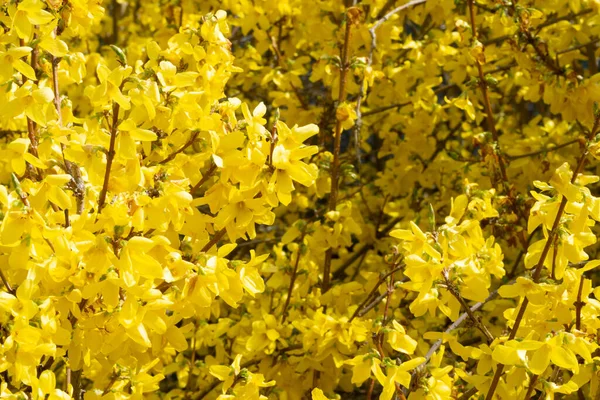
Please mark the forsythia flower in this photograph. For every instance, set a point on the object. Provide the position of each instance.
(285, 199)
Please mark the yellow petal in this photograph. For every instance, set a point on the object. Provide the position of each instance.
(143, 135)
(176, 338)
(24, 68)
(540, 360)
(59, 197)
(317, 394)
(56, 47)
(564, 358)
(505, 355)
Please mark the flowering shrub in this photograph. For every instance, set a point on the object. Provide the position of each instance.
(299, 199)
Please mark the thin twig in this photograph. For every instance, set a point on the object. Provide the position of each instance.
(187, 144)
(467, 395)
(19, 190)
(109, 156)
(164, 286)
(531, 387)
(76, 383)
(385, 8)
(578, 47)
(213, 241)
(365, 248)
(371, 387)
(205, 177)
(491, 122)
(377, 300)
(543, 25)
(363, 305)
(579, 304)
(455, 325)
(363, 87)
(248, 364)
(76, 183)
(378, 110)
(476, 321)
(395, 11)
(188, 385)
(351, 16)
(293, 278)
(9, 288)
(544, 56)
(590, 52)
(180, 13)
(543, 151)
(283, 67)
(113, 379)
(31, 125)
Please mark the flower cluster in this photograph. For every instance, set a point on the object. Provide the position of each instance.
(286, 199)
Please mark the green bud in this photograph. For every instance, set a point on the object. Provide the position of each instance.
(490, 80)
(120, 55)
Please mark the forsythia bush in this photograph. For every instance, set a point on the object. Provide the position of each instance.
(299, 199)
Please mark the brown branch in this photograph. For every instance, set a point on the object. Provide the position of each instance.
(491, 122)
(9, 288)
(531, 387)
(22, 195)
(188, 385)
(335, 166)
(76, 183)
(205, 177)
(538, 269)
(455, 325)
(395, 11)
(579, 304)
(112, 381)
(592, 62)
(545, 57)
(180, 13)
(437, 91)
(364, 307)
(109, 156)
(543, 151)
(385, 8)
(541, 26)
(274, 138)
(358, 254)
(283, 67)
(248, 364)
(293, 278)
(476, 321)
(214, 240)
(589, 44)
(381, 18)
(76, 382)
(467, 395)
(532, 40)
(31, 125)
(378, 110)
(377, 300)
(365, 248)
(164, 286)
(371, 387)
(187, 144)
